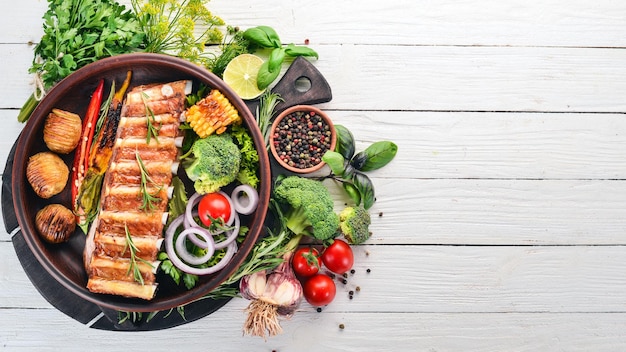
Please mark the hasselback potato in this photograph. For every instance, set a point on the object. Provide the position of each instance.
(47, 174)
(55, 223)
(61, 131)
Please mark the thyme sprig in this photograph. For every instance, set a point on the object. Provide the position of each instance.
(149, 200)
(134, 259)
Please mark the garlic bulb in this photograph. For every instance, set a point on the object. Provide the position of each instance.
(273, 295)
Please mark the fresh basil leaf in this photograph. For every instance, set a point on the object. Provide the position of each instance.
(379, 154)
(352, 192)
(275, 61)
(298, 50)
(348, 170)
(272, 35)
(262, 36)
(359, 160)
(366, 189)
(345, 142)
(335, 161)
(265, 76)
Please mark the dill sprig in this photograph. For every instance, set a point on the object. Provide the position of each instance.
(149, 200)
(172, 27)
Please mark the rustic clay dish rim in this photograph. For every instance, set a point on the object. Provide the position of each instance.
(306, 108)
(25, 201)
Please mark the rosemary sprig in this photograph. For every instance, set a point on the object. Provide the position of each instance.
(124, 316)
(153, 130)
(265, 112)
(134, 259)
(149, 200)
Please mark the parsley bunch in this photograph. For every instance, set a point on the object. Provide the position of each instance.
(76, 33)
(79, 32)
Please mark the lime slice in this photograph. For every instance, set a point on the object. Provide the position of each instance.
(241, 74)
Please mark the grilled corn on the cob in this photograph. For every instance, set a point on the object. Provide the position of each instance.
(212, 114)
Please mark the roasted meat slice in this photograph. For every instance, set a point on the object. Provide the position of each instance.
(121, 288)
(114, 245)
(161, 149)
(166, 126)
(122, 269)
(130, 199)
(137, 223)
(128, 172)
(158, 92)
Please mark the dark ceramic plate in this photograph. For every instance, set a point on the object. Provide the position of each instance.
(64, 261)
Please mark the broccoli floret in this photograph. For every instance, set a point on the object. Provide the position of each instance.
(212, 162)
(354, 224)
(310, 207)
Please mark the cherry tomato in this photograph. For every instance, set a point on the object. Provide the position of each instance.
(319, 290)
(338, 257)
(214, 206)
(306, 262)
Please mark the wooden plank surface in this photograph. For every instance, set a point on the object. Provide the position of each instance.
(502, 219)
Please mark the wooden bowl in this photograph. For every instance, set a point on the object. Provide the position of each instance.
(65, 261)
(276, 146)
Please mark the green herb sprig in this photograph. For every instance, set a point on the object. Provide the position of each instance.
(234, 45)
(265, 112)
(149, 200)
(134, 259)
(153, 127)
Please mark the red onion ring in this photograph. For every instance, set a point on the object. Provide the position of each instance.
(191, 233)
(230, 252)
(250, 194)
(207, 244)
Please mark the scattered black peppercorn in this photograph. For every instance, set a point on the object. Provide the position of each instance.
(341, 326)
(368, 271)
(319, 309)
(352, 271)
(380, 214)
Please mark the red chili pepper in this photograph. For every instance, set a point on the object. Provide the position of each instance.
(89, 126)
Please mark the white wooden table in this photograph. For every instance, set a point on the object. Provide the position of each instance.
(504, 213)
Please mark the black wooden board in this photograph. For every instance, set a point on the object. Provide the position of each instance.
(301, 84)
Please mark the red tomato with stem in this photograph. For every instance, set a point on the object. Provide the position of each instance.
(213, 206)
(338, 257)
(319, 290)
(306, 261)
